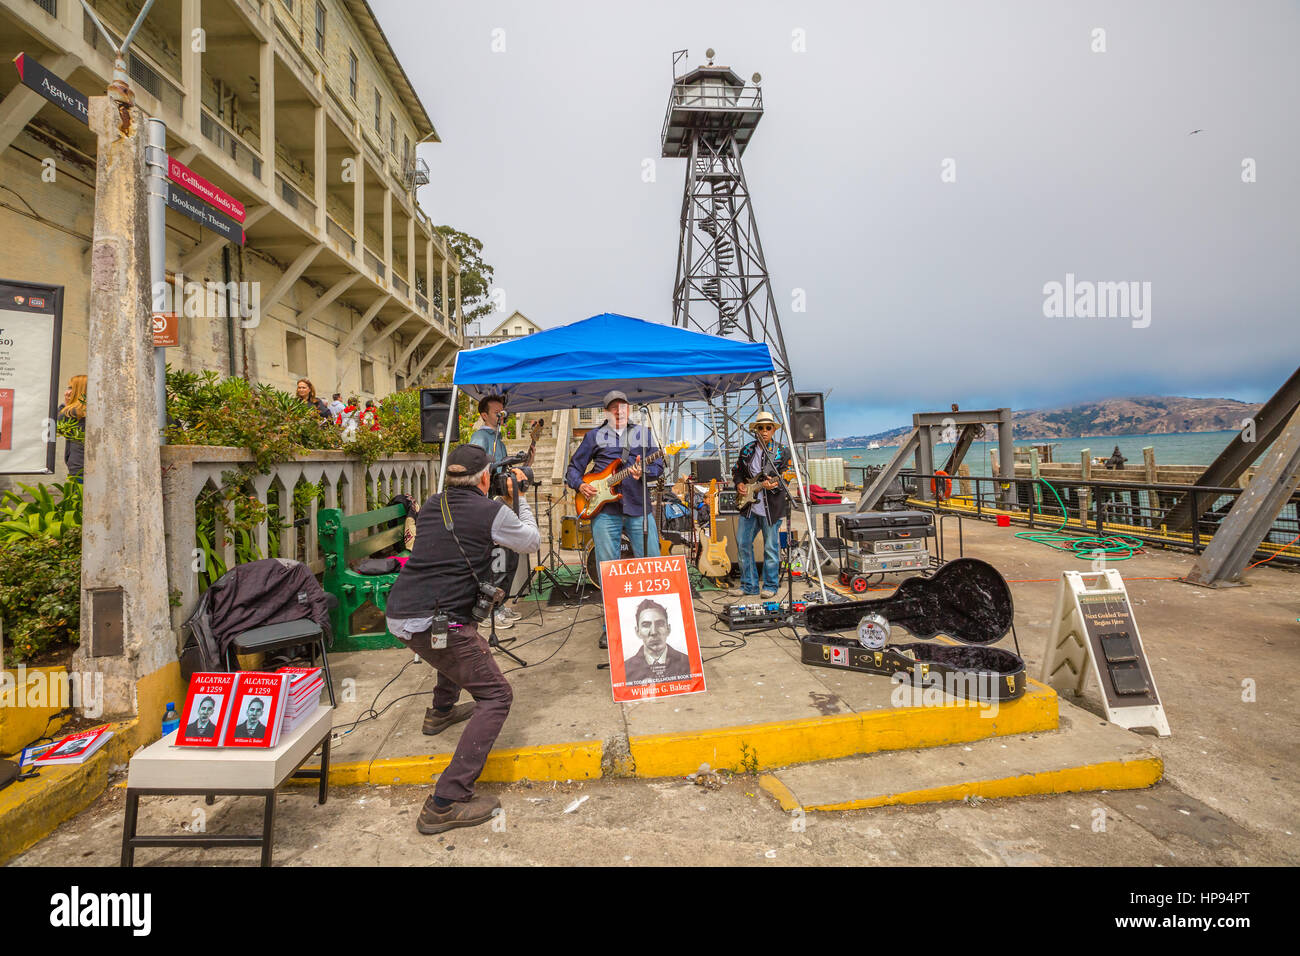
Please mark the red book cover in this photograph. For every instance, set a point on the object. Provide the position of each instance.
(207, 705)
(75, 748)
(258, 709)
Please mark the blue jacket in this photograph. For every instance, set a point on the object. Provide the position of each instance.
(599, 447)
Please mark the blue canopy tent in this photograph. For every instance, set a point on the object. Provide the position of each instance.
(574, 365)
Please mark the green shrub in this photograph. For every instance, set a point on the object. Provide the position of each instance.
(36, 514)
(40, 594)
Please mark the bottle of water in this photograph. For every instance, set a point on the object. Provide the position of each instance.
(171, 720)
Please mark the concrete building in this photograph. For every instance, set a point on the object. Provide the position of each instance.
(301, 111)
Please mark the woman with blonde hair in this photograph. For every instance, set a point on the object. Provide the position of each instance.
(72, 418)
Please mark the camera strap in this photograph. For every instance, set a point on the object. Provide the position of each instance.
(450, 525)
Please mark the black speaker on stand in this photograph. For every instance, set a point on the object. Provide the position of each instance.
(435, 403)
(807, 417)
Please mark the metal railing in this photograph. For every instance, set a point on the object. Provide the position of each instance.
(422, 302)
(401, 285)
(230, 143)
(716, 97)
(1133, 509)
(374, 262)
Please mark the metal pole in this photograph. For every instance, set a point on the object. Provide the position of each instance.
(156, 159)
(803, 489)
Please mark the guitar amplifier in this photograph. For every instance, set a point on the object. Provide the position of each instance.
(727, 502)
(727, 529)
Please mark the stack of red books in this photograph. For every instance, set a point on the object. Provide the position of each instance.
(305, 689)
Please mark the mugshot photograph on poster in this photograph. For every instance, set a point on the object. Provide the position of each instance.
(654, 650)
(31, 326)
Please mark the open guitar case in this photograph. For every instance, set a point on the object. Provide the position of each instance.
(967, 600)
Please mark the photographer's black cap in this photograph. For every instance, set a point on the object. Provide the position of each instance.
(467, 460)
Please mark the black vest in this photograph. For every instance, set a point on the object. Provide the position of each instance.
(437, 576)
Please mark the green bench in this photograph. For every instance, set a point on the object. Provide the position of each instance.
(334, 530)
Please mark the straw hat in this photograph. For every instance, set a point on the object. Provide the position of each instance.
(763, 418)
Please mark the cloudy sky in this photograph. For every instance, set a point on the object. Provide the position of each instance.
(1067, 158)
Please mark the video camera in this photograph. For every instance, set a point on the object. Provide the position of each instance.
(503, 475)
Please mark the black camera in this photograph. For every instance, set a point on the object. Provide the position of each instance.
(503, 474)
(489, 596)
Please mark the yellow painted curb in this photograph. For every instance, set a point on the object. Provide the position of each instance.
(754, 747)
(572, 761)
(1110, 775)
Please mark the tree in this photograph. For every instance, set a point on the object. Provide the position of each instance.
(475, 275)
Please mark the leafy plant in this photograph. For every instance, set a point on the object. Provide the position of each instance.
(40, 593)
(36, 514)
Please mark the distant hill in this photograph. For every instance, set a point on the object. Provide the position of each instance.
(1141, 415)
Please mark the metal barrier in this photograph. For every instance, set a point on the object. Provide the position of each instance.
(1129, 508)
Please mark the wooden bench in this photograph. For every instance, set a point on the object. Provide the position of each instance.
(353, 590)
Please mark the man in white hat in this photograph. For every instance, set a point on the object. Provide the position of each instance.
(761, 461)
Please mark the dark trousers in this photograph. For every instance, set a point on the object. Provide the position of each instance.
(466, 663)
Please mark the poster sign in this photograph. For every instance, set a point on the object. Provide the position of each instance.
(179, 173)
(31, 332)
(203, 214)
(166, 330)
(36, 77)
(654, 650)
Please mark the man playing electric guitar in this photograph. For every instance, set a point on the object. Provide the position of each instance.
(761, 462)
(616, 440)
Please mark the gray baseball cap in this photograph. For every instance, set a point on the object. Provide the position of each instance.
(613, 396)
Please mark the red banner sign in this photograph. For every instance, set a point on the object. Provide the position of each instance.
(181, 174)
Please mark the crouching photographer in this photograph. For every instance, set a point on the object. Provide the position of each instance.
(447, 588)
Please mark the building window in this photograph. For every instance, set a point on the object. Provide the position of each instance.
(379, 111)
(400, 382)
(295, 353)
(392, 134)
(406, 151)
(320, 26)
(368, 377)
(352, 74)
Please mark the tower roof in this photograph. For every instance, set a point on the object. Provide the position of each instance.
(724, 73)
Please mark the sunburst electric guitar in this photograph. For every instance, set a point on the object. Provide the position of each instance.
(607, 479)
(714, 562)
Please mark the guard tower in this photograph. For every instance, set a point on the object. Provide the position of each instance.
(722, 285)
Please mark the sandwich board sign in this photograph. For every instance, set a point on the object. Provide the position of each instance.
(1094, 632)
(31, 335)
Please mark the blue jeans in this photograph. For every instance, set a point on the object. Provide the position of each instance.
(606, 529)
(608, 526)
(747, 527)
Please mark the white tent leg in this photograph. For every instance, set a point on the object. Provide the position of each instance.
(452, 429)
(803, 492)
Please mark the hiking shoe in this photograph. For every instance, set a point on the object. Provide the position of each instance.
(510, 613)
(435, 723)
(478, 809)
(504, 621)
(767, 594)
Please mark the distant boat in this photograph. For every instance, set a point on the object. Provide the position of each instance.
(871, 447)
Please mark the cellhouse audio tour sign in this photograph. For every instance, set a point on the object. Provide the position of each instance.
(31, 320)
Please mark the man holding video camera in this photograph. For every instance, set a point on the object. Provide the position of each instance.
(442, 595)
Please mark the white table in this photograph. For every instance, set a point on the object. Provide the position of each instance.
(162, 769)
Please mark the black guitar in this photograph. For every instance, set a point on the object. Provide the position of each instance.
(966, 599)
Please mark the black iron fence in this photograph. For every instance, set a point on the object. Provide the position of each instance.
(1138, 510)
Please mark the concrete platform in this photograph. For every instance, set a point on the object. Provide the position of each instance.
(763, 709)
(1085, 753)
